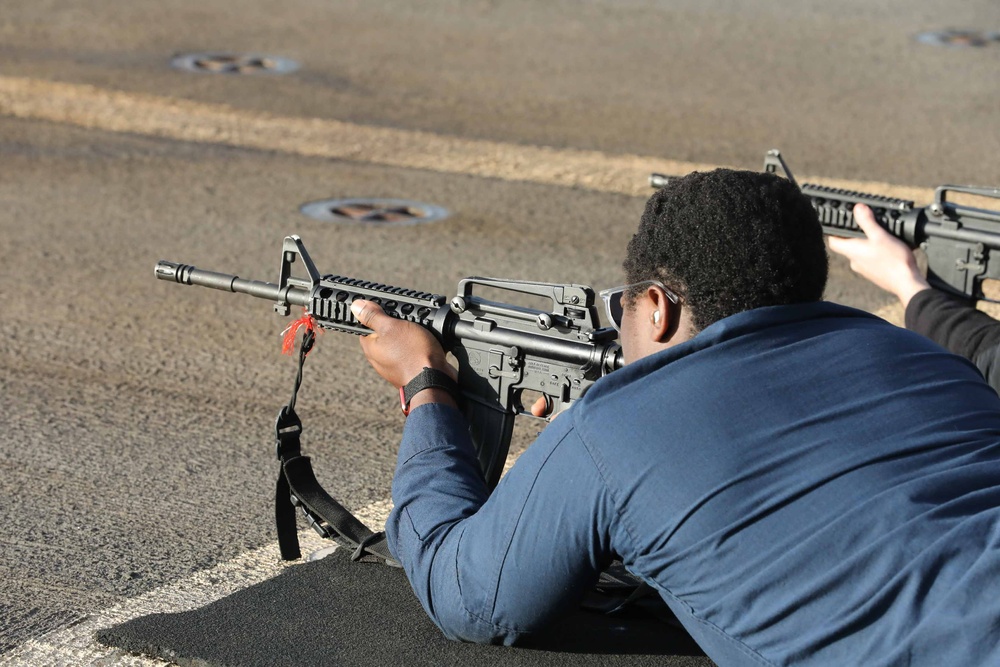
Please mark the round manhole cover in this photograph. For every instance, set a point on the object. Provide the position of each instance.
(233, 63)
(380, 212)
(959, 39)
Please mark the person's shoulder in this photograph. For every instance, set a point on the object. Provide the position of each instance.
(827, 317)
(874, 334)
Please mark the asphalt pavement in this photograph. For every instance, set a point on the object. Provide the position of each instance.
(135, 439)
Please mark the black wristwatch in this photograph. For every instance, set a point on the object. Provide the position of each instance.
(425, 379)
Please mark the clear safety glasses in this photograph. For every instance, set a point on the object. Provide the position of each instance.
(613, 299)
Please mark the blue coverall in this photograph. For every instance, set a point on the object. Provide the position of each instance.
(802, 484)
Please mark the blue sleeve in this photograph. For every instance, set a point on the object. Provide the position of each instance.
(494, 568)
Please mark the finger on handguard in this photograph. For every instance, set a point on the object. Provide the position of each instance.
(367, 313)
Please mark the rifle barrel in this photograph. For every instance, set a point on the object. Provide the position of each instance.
(186, 274)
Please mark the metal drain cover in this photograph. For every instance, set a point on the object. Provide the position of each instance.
(958, 39)
(380, 212)
(233, 63)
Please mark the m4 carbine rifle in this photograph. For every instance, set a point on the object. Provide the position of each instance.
(961, 242)
(502, 350)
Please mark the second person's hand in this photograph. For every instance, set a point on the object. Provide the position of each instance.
(881, 258)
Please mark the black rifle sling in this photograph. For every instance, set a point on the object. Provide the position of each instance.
(297, 486)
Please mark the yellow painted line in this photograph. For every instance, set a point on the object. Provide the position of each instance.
(184, 120)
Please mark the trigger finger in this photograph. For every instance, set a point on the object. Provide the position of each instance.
(542, 407)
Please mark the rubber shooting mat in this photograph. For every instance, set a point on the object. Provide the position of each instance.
(337, 612)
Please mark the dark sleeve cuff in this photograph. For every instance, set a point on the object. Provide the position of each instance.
(953, 323)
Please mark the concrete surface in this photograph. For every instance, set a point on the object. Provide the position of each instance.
(135, 444)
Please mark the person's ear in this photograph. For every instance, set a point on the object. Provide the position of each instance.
(663, 316)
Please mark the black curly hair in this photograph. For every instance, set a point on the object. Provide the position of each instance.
(729, 241)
